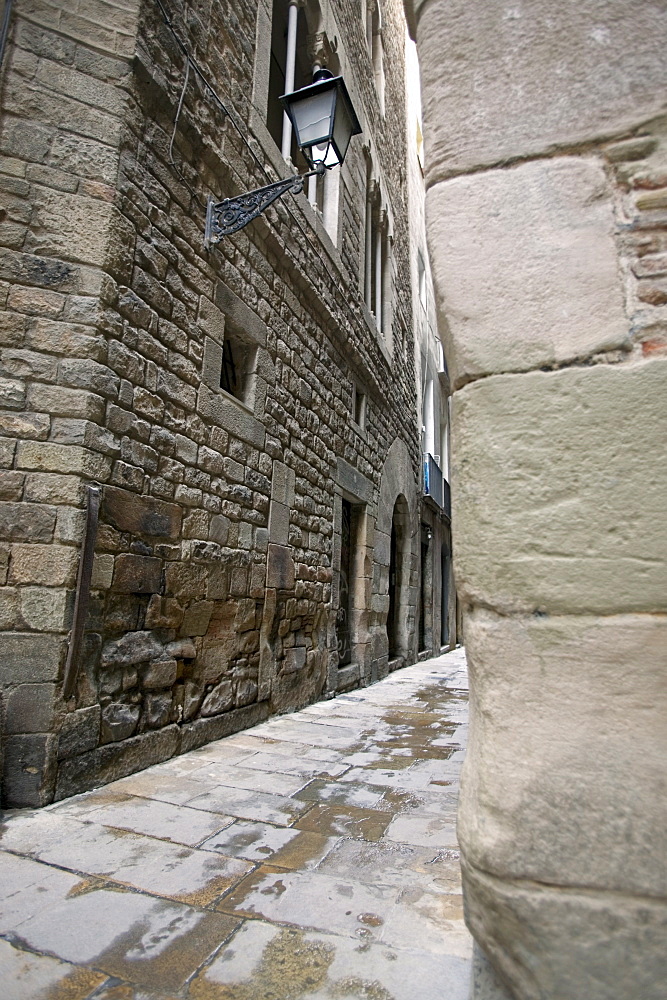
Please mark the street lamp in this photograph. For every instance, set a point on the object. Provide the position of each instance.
(324, 121)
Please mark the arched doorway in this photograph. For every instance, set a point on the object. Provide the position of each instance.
(444, 594)
(399, 574)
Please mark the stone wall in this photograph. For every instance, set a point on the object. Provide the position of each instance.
(546, 217)
(215, 583)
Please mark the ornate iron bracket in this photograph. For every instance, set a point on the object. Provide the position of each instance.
(228, 216)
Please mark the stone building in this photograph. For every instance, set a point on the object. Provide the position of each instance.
(211, 459)
(436, 625)
(546, 175)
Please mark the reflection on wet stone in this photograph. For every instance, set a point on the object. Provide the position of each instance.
(313, 857)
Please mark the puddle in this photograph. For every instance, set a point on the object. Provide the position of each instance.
(290, 966)
(76, 985)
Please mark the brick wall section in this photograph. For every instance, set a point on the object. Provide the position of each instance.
(638, 166)
(214, 586)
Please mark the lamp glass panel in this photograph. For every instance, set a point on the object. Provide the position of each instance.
(312, 117)
(342, 129)
(323, 152)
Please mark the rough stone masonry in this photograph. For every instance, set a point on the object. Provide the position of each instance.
(547, 223)
(215, 579)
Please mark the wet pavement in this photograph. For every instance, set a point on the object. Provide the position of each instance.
(313, 857)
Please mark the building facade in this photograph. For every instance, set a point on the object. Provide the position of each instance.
(436, 625)
(211, 459)
(546, 201)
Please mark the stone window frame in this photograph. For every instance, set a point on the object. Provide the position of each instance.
(245, 417)
(378, 258)
(359, 408)
(372, 17)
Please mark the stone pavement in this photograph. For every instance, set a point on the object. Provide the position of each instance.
(313, 857)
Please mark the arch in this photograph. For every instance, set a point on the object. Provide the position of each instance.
(398, 583)
(395, 529)
(397, 477)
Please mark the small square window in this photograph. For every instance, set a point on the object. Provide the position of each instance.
(359, 407)
(421, 275)
(238, 361)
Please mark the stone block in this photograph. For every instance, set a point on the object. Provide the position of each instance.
(192, 696)
(573, 702)
(12, 393)
(551, 493)
(28, 770)
(160, 674)
(246, 615)
(79, 228)
(47, 457)
(181, 649)
(282, 484)
(548, 943)
(506, 64)
(84, 373)
(241, 315)
(60, 401)
(246, 693)
(196, 618)
(134, 647)
(115, 760)
(119, 721)
(79, 732)
(11, 484)
(526, 269)
(44, 609)
(9, 607)
(294, 659)
(25, 425)
(186, 580)
(279, 515)
(230, 415)
(200, 731)
(353, 481)
(163, 612)
(49, 487)
(212, 320)
(156, 711)
(220, 699)
(26, 657)
(485, 984)
(102, 576)
(29, 709)
(280, 573)
(140, 515)
(134, 574)
(48, 565)
(219, 529)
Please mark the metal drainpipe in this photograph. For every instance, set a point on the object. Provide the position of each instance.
(4, 30)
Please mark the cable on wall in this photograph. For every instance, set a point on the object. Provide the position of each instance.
(352, 318)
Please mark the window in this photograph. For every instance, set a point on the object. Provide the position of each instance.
(298, 48)
(377, 269)
(237, 365)
(289, 70)
(421, 277)
(359, 406)
(375, 47)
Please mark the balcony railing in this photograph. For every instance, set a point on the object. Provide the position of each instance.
(435, 485)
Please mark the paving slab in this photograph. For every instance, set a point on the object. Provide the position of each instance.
(255, 963)
(155, 943)
(29, 976)
(312, 857)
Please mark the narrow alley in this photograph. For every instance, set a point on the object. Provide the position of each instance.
(310, 858)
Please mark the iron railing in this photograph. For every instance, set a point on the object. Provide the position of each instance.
(435, 485)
